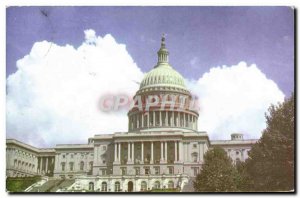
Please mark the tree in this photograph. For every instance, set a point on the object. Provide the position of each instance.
(218, 174)
(271, 160)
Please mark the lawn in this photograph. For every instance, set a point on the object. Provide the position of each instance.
(20, 184)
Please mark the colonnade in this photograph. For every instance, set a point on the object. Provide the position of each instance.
(164, 156)
(45, 164)
(163, 119)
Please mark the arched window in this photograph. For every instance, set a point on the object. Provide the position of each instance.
(157, 185)
(117, 186)
(143, 186)
(81, 165)
(15, 163)
(104, 186)
(170, 184)
(91, 186)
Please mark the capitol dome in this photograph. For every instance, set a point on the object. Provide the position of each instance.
(163, 102)
(163, 75)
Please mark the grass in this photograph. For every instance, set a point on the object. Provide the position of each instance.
(20, 184)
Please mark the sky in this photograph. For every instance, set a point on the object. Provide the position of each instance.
(238, 60)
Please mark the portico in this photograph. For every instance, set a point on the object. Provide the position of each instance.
(148, 152)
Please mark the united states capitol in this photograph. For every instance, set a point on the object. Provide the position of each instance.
(162, 149)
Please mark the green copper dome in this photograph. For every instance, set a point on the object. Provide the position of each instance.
(163, 74)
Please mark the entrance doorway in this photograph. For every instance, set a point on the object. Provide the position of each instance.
(130, 186)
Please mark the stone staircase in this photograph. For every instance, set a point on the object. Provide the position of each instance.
(47, 186)
(189, 187)
(64, 184)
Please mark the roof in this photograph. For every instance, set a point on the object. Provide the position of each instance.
(29, 147)
(232, 142)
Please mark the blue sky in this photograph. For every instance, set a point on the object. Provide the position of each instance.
(198, 37)
(69, 57)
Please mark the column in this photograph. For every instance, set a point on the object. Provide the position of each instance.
(188, 151)
(166, 151)
(173, 118)
(119, 149)
(116, 147)
(161, 151)
(36, 164)
(201, 152)
(46, 165)
(132, 156)
(160, 122)
(52, 164)
(142, 154)
(183, 119)
(167, 119)
(137, 121)
(178, 119)
(180, 151)
(148, 117)
(128, 154)
(142, 115)
(41, 168)
(194, 119)
(154, 121)
(151, 161)
(175, 159)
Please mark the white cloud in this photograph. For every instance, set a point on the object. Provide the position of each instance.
(234, 99)
(53, 96)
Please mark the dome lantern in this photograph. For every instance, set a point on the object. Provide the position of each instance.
(163, 54)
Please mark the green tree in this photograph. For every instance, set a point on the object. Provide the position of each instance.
(218, 174)
(271, 160)
(243, 179)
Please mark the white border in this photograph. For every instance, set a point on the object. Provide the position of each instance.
(4, 4)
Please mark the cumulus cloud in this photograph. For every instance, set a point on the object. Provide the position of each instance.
(54, 95)
(234, 99)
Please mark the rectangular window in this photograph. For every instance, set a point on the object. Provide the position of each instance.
(124, 170)
(171, 170)
(194, 145)
(157, 170)
(64, 156)
(71, 166)
(147, 171)
(104, 148)
(103, 171)
(195, 170)
(137, 170)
